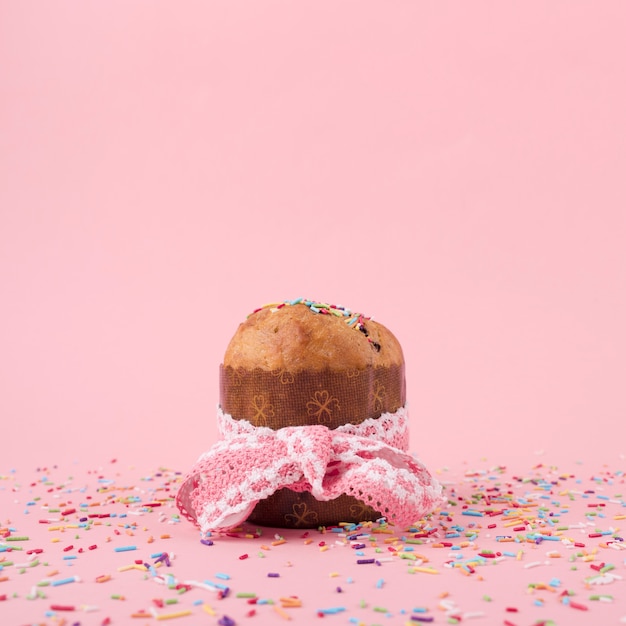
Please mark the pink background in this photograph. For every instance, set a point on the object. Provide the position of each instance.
(455, 170)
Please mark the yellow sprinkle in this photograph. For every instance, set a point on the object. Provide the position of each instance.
(619, 517)
(55, 540)
(308, 541)
(514, 522)
(323, 548)
(425, 570)
(125, 568)
(173, 615)
(334, 574)
(208, 609)
(281, 612)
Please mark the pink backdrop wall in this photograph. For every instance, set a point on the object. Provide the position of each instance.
(456, 170)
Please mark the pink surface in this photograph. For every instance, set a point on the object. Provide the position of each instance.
(544, 543)
(454, 170)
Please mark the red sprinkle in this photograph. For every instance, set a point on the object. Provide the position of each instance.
(243, 557)
(62, 607)
(592, 535)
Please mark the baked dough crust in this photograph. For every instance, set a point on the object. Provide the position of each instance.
(293, 339)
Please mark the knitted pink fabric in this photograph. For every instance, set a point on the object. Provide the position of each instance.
(368, 461)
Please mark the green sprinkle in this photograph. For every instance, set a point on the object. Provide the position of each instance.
(243, 594)
(17, 538)
(380, 609)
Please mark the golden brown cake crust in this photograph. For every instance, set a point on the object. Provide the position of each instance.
(294, 338)
(292, 364)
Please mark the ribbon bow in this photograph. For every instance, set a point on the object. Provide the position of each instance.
(236, 473)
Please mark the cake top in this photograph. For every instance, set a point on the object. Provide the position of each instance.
(303, 334)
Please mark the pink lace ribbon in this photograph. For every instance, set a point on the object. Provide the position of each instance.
(368, 461)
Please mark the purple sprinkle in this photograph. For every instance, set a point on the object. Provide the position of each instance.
(206, 542)
(420, 618)
(273, 575)
(358, 546)
(365, 561)
(226, 621)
